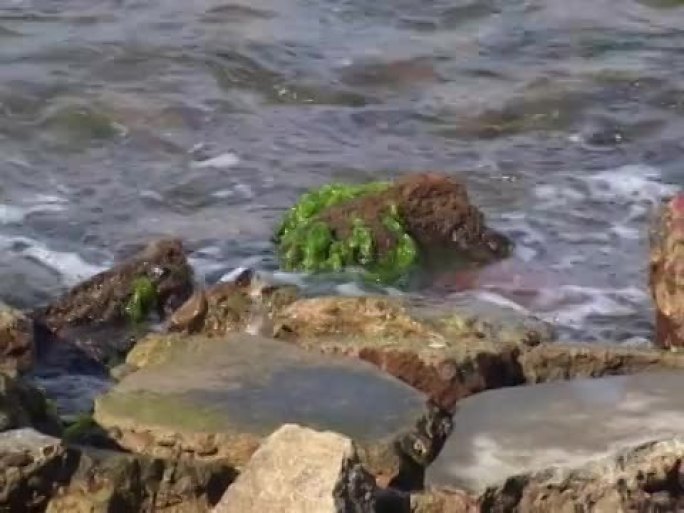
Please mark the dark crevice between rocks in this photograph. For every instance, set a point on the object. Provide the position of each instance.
(420, 447)
(354, 493)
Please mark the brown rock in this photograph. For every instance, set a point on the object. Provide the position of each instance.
(443, 501)
(338, 316)
(451, 355)
(30, 464)
(110, 482)
(39, 473)
(301, 470)
(667, 274)
(246, 304)
(17, 349)
(102, 299)
(445, 355)
(436, 211)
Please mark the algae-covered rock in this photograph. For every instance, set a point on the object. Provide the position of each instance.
(385, 227)
(301, 470)
(216, 399)
(17, 348)
(156, 280)
(245, 304)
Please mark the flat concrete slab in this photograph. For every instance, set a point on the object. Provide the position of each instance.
(502, 433)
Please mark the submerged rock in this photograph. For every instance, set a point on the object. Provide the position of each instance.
(17, 348)
(245, 304)
(452, 354)
(386, 228)
(514, 435)
(667, 274)
(216, 399)
(298, 469)
(156, 280)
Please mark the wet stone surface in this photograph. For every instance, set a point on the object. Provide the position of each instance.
(218, 398)
(502, 433)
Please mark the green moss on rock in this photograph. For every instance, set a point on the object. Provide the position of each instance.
(307, 243)
(314, 202)
(142, 301)
(80, 427)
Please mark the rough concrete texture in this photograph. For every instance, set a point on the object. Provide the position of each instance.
(301, 470)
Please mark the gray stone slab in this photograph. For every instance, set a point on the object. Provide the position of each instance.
(501, 433)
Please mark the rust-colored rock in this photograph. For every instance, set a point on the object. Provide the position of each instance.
(449, 355)
(245, 304)
(436, 211)
(17, 348)
(102, 299)
(667, 273)
(339, 316)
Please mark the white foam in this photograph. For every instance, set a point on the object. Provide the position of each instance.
(350, 289)
(16, 213)
(636, 182)
(572, 305)
(10, 214)
(70, 266)
(233, 275)
(499, 300)
(223, 161)
(288, 278)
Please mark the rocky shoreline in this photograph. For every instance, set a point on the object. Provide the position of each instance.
(248, 396)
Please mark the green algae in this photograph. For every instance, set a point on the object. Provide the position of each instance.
(314, 202)
(163, 410)
(142, 301)
(308, 244)
(81, 426)
(404, 256)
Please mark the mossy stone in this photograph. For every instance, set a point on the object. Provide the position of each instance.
(307, 243)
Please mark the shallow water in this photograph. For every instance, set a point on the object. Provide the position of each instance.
(124, 119)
